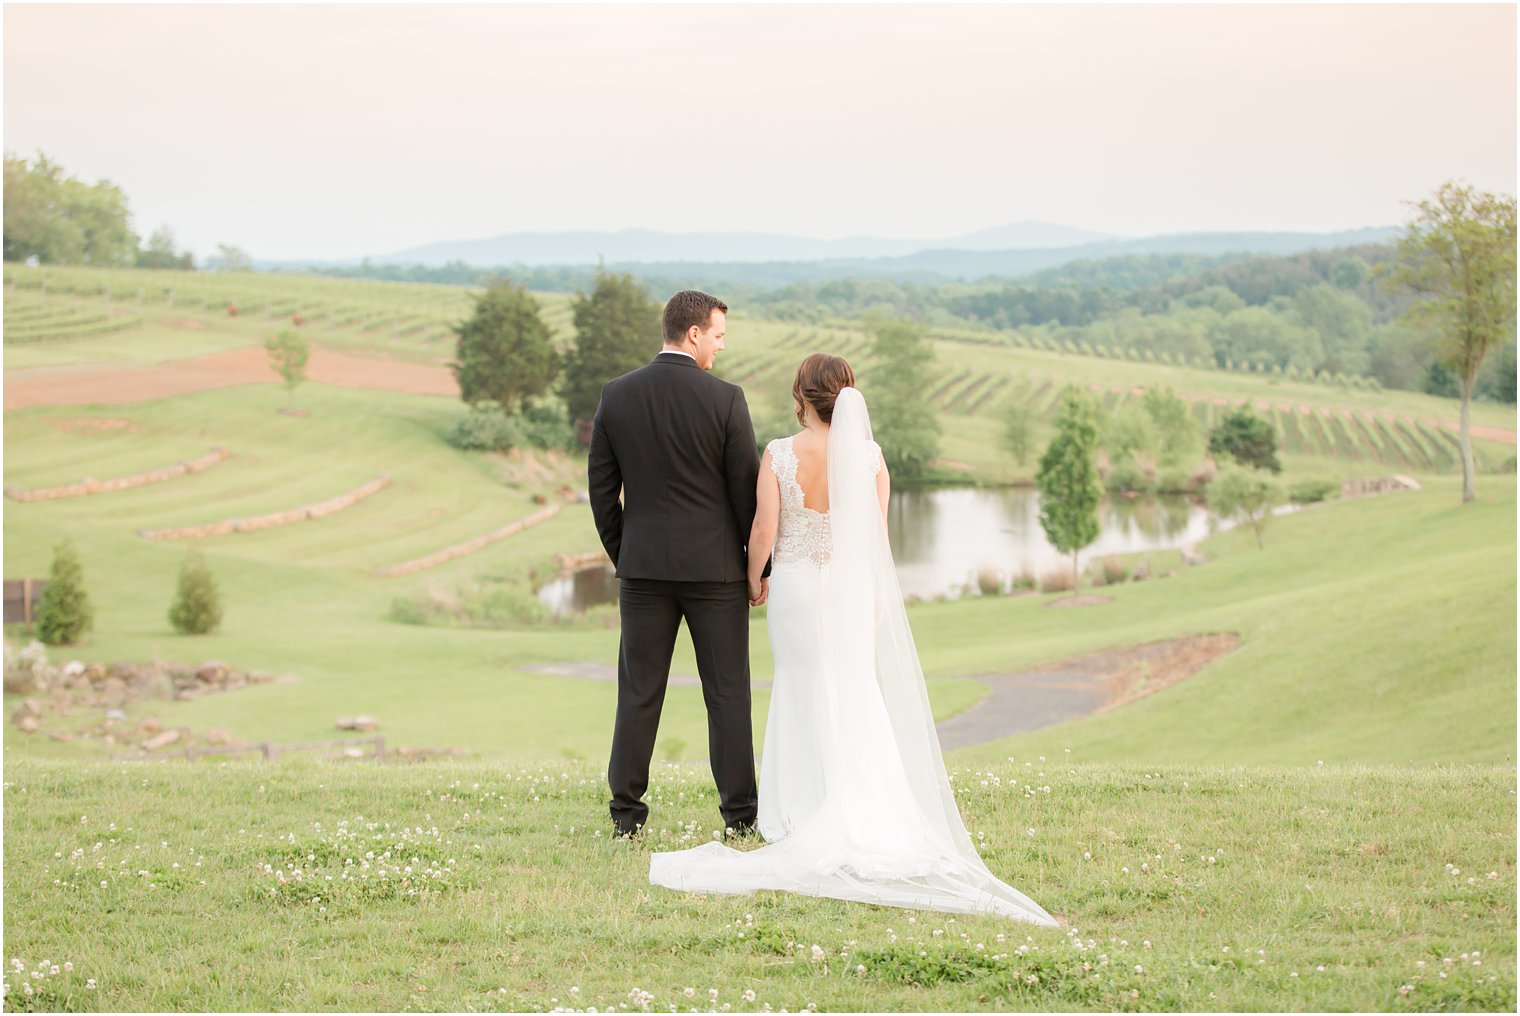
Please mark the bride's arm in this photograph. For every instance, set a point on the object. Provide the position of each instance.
(762, 535)
(883, 490)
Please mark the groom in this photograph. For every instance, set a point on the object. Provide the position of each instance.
(677, 444)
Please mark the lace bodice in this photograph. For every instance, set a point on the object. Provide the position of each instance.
(803, 535)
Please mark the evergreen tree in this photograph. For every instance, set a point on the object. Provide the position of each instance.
(1246, 438)
(902, 420)
(197, 606)
(505, 352)
(1070, 490)
(617, 328)
(64, 612)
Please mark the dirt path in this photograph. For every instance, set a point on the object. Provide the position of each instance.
(1031, 699)
(89, 384)
(1077, 687)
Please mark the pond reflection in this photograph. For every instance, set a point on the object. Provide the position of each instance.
(941, 538)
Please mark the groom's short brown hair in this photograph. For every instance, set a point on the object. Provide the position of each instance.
(689, 307)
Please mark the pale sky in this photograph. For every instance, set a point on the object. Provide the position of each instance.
(337, 131)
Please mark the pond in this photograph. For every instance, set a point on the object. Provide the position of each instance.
(941, 538)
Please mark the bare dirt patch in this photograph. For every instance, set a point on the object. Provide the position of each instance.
(1085, 600)
(117, 385)
(89, 426)
(189, 324)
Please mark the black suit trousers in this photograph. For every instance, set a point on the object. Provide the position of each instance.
(717, 615)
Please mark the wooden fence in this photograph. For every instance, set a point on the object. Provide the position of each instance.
(21, 596)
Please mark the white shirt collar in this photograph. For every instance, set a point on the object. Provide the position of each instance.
(680, 352)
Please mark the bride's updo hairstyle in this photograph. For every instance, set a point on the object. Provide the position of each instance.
(819, 380)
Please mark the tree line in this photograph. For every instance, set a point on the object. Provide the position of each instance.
(52, 218)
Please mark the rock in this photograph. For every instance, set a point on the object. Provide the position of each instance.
(27, 723)
(60, 735)
(358, 723)
(1192, 560)
(115, 714)
(161, 740)
(213, 672)
(150, 726)
(95, 672)
(218, 735)
(261, 678)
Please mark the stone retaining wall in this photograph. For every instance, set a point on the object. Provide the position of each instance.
(315, 511)
(469, 546)
(90, 485)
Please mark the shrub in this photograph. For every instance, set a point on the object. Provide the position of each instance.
(1311, 490)
(64, 612)
(1109, 571)
(988, 582)
(547, 426)
(197, 607)
(1058, 581)
(1174, 481)
(1023, 580)
(486, 428)
(1127, 477)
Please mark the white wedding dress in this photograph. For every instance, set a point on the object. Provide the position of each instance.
(855, 803)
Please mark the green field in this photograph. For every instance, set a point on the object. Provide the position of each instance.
(1376, 637)
(1337, 888)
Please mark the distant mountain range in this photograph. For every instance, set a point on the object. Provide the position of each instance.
(645, 245)
(772, 260)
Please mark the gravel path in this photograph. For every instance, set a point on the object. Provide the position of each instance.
(1028, 700)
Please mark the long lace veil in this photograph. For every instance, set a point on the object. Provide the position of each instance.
(868, 626)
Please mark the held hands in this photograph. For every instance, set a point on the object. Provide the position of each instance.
(759, 590)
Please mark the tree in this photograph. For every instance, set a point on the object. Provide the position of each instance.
(60, 219)
(288, 353)
(1018, 432)
(903, 421)
(505, 353)
(160, 252)
(1343, 323)
(197, 606)
(1177, 434)
(1459, 253)
(617, 328)
(1246, 496)
(1246, 438)
(64, 612)
(229, 259)
(1070, 491)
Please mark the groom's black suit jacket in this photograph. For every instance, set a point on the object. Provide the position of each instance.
(677, 443)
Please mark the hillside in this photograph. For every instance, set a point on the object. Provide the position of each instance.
(1388, 570)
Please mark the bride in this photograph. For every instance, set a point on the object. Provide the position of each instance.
(854, 800)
